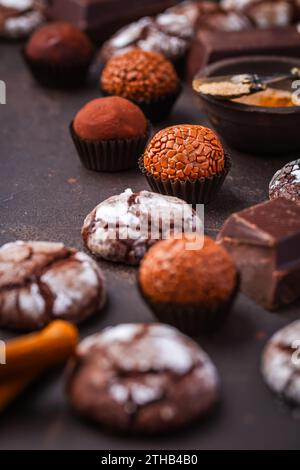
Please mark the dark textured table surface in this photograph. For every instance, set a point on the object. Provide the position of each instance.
(44, 195)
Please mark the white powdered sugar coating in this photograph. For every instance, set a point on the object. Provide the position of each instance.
(143, 394)
(31, 301)
(281, 362)
(131, 33)
(236, 4)
(70, 284)
(122, 333)
(20, 5)
(119, 393)
(23, 25)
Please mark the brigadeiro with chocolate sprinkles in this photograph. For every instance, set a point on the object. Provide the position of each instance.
(189, 283)
(110, 134)
(286, 182)
(146, 78)
(142, 378)
(187, 161)
(59, 55)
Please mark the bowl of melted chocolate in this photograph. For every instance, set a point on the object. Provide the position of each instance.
(265, 122)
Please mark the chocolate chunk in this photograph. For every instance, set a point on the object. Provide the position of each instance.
(101, 18)
(286, 182)
(210, 46)
(264, 241)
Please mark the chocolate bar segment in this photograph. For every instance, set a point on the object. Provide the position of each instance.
(101, 18)
(264, 241)
(210, 46)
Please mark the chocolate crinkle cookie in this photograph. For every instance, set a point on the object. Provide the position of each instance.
(286, 182)
(43, 281)
(146, 378)
(169, 33)
(281, 363)
(123, 227)
(18, 18)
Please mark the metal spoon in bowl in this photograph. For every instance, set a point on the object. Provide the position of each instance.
(228, 87)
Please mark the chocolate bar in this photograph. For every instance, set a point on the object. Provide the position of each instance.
(209, 46)
(101, 18)
(264, 242)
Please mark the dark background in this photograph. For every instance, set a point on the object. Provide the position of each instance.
(45, 195)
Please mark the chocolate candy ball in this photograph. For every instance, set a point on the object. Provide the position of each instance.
(110, 118)
(139, 76)
(184, 152)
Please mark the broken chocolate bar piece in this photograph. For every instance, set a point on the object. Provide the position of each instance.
(101, 18)
(210, 46)
(264, 242)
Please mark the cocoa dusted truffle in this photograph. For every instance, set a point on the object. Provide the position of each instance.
(59, 43)
(286, 182)
(110, 118)
(188, 283)
(147, 78)
(59, 54)
(185, 154)
(110, 134)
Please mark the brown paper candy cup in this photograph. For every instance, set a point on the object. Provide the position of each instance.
(110, 155)
(192, 320)
(201, 191)
(57, 76)
(156, 110)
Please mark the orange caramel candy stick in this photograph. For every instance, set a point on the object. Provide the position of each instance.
(37, 351)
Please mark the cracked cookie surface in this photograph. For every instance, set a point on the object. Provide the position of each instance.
(142, 378)
(43, 281)
(281, 363)
(123, 227)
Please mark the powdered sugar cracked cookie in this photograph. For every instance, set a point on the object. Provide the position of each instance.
(142, 377)
(42, 281)
(123, 227)
(281, 363)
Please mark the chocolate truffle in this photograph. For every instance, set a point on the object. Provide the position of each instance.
(59, 43)
(43, 281)
(188, 283)
(110, 134)
(110, 118)
(189, 154)
(281, 364)
(286, 182)
(264, 241)
(123, 227)
(185, 151)
(142, 378)
(59, 55)
(147, 78)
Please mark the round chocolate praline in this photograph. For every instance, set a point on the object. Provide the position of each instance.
(139, 76)
(189, 284)
(146, 78)
(110, 118)
(184, 152)
(286, 182)
(59, 43)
